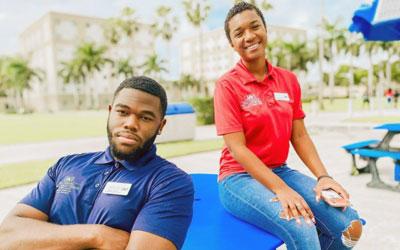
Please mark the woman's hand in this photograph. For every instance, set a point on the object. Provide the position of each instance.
(327, 183)
(294, 205)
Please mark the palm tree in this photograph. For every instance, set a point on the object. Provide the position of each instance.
(165, 26)
(263, 4)
(125, 25)
(352, 48)
(153, 66)
(395, 72)
(124, 67)
(71, 72)
(333, 41)
(17, 76)
(297, 55)
(275, 52)
(3, 76)
(196, 13)
(371, 48)
(391, 50)
(186, 84)
(91, 60)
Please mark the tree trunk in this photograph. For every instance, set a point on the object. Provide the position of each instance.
(351, 85)
(332, 74)
(370, 81)
(388, 82)
(202, 78)
(321, 72)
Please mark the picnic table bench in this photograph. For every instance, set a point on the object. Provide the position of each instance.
(359, 145)
(372, 150)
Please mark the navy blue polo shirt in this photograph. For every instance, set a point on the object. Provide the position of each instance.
(157, 197)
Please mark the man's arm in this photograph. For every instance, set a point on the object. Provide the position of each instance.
(163, 221)
(141, 240)
(27, 228)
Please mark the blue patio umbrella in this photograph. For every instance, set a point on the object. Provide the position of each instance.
(379, 21)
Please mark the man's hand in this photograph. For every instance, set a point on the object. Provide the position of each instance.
(109, 238)
(329, 183)
(294, 205)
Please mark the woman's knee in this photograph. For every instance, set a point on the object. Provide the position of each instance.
(352, 234)
(301, 236)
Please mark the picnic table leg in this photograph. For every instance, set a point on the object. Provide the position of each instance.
(376, 181)
(354, 170)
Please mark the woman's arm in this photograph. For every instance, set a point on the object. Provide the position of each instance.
(307, 152)
(292, 203)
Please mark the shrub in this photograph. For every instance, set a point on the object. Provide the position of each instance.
(204, 107)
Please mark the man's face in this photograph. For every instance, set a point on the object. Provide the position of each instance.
(248, 35)
(134, 121)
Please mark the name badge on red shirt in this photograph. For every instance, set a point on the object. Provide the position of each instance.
(281, 96)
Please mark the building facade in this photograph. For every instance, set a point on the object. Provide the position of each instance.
(54, 38)
(217, 54)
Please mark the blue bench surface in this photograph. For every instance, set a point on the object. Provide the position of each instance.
(389, 126)
(373, 153)
(213, 228)
(360, 144)
(179, 108)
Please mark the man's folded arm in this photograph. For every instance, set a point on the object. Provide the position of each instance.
(163, 222)
(141, 240)
(26, 227)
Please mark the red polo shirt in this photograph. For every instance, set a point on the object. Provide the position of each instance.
(263, 111)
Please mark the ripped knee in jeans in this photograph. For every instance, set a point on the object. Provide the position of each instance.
(352, 234)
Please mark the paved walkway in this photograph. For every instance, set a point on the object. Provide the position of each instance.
(380, 208)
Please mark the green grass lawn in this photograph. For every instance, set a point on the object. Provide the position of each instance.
(47, 127)
(341, 105)
(338, 105)
(28, 172)
(80, 124)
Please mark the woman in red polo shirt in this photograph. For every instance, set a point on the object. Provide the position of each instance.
(258, 111)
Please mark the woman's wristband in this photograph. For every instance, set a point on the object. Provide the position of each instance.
(323, 176)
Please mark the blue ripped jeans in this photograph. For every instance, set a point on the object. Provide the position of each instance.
(247, 199)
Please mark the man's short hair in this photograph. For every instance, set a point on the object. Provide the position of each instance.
(147, 85)
(239, 8)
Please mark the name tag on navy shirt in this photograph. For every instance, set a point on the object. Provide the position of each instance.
(281, 96)
(117, 188)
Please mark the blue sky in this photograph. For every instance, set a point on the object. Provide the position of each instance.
(17, 15)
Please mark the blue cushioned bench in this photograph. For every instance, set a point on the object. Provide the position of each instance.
(373, 155)
(213, 228)
(359, 145)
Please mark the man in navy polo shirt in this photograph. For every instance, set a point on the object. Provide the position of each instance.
(126, 197)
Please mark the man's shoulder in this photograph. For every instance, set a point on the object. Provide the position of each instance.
(166, 166)
(168, 171)
(79, 158)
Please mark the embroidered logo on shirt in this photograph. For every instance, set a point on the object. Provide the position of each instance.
(250, 100)
(67, 185)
